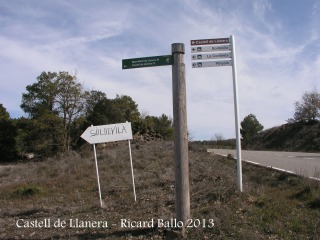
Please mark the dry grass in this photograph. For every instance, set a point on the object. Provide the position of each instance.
(273, 206)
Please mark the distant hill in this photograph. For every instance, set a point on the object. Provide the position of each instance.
(299, 136)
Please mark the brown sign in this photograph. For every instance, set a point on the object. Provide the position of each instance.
(210, 41)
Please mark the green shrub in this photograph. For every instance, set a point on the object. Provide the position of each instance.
(26, 191)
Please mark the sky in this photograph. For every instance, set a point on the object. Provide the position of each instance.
(277, 49)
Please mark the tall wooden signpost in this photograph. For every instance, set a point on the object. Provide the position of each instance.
(221, 52)
(181, 162)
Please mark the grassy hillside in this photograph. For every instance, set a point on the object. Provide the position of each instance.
(303, 137)
(61, 194)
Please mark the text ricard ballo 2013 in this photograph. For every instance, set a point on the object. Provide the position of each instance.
(122, 223)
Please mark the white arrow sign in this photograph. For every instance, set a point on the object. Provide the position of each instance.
(211, 64)
(215, 48)
(108, 133)
(208, 56)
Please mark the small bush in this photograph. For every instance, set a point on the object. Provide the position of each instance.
(304, 193)
(283, 176)
(315, 203)
(25, 191)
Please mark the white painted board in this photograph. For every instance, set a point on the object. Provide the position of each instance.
(214, 48)
(108, 133)
(208, 56)
(222, 63)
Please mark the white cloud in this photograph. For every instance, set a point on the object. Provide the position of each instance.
(92, 39)
(81, 40)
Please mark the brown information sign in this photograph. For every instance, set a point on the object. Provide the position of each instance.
(210, 41)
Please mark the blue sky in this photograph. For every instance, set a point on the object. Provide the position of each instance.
(277, 48)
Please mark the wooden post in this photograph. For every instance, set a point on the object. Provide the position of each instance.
(181, 162)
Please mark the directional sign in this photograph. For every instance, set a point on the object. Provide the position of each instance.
(210, 41)
(108, 133)
(212, 64)
(220, 45)
(217, 48)
(210, 56)
(147, 62)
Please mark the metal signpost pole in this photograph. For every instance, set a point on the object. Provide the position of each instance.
(181, 162)
(134, 187)
(236, 112)
(222, 46)
(95, 157)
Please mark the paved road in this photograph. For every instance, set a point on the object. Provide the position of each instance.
(306, 164)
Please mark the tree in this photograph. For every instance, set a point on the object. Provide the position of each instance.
(70, 104)
(41, 95)
(54, 103)
(38, 135)
(126, 108)
(218, 137)
(160, 125)
(308, 109)
(91, 99)
(250, 126)
(100, 111)
(7, 136)
(164, 127)
(103, 113)
(4, 115)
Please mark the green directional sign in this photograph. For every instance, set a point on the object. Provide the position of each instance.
(147, 62)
